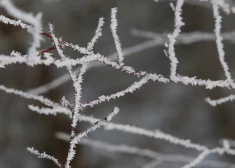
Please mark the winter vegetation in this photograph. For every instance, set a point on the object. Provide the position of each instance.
(77, 67)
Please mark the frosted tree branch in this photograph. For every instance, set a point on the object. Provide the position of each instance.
(219, 43)
(26, 95)
(60, 52)
(74, 141)
(226, 5)
(16, 57)
(123, 148)
(91, 59)
(7, 20)
(159, 39)
(113, 27)
(98, 33)
(50, 111)
(172, 39)
(35, 21)
(78, 87)
(220, 101)
(44, 156)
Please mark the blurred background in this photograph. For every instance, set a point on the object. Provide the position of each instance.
(173, 108)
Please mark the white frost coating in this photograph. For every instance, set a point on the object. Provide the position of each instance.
(221, 53)
(130, 89)
(7, 60)
(60, 52)
(35, 21)
(225, 149)
(172, 38)
(65, 77)
(137, 85)
(206, 152)
(98, 33)
(117, 42)
(184, 38)
(48, 59)
(226, 144)
(56, 42)
(64, 102)
(16, 57)
(78, 88)
(220, 46)
(231, 142)
(157, 134)
(144, 132)
(90, 56)
(44, 156)
(225, 5)
(78, 137)
(17, 13)
(78, 61)
(26, 95)
(220, 101)
(123, 148)
(7, 20)
(209, 84)
(36, 33)
(154, 134)
(51, 111)
(76, 47)
(102, 59)
(198, 159)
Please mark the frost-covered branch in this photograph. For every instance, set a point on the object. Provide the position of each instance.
(127, 149)
(77, 107)
(139, 131)
(220, 101)
(122, 93)
(219, 44)
(60, 52)
(113, 27)
(26, 95)
(159, 39)
(123, 148)
(226, 5)
(98, 33)
(89, 59)
(172, 39)
(65, 77)
(78, 88)
(35, 21)
(7, 20)
(75, 139)
(50, 111)
(221, 53)
(144, 132)
(225, 149)
(44, 156)
(17, 58)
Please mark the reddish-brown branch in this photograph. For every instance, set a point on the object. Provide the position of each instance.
(61, 43)
(47, 50)
(46, 34)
